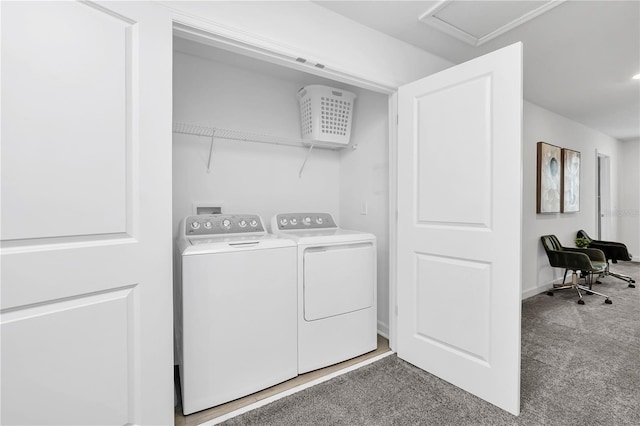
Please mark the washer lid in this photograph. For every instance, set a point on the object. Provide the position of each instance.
(238, 243)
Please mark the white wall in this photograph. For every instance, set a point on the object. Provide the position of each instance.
(629, 190)
(246, 177)
(364, 186)
(543, 125)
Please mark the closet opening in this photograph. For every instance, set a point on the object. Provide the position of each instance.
(219, 91)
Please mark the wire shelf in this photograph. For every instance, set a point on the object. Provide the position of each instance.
(236, 135)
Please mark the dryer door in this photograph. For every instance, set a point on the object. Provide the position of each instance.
(338, 279)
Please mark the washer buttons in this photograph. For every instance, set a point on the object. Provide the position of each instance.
(226, 224)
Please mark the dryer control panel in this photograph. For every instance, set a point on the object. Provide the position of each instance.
(289, 221)
(221, 224)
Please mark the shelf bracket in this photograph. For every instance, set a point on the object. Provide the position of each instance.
(213, 137)
(304, 163)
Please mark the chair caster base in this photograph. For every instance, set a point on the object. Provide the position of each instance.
(608, 301)
(549, 293)
(589, 293)
(580, 302)
(632, 285)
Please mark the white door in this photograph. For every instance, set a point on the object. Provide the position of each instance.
(86, 316)
(459, 220)
(604, 198)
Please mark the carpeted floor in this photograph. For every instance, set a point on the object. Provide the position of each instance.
(580, 366)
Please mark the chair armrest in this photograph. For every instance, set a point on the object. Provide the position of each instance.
(592, 253)
(612, 250)
(569, 259)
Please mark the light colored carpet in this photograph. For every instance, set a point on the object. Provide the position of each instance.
(580, 366)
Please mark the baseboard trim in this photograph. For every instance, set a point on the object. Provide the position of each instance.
(383, 330)
(540, 288)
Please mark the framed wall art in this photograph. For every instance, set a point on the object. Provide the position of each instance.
(570, 197)
(549, 172)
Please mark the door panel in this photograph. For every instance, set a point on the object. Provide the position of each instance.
(86, 230)
(446, 166)
(79, 92)
(69, 351)
(459, 225)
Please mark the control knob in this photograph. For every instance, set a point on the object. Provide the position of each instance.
(195, 225)
(226, 224)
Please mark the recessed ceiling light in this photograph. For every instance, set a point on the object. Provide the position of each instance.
(636, 77)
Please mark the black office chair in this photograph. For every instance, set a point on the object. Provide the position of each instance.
(613, 251)
(587, 261)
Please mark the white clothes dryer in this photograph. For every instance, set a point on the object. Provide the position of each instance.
(337, 312)
(236, 309)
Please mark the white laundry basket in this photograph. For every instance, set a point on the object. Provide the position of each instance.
(326, 114)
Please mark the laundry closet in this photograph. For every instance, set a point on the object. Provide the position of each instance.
(238, 149)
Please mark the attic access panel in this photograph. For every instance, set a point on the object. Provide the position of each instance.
(477, 22)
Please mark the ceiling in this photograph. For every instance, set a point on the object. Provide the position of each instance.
(579, 56)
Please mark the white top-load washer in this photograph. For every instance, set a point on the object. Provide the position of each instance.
(236, 309)
(337, 313)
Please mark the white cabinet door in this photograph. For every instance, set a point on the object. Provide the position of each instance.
(459, 225)
(86, 315)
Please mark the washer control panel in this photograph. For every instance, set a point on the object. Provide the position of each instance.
(289, 221)
(220, 224)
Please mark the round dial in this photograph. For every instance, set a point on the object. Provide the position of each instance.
(283, 221)
(319, 220)
(207, 225)
(242, 223)
(195, 225)
(294, 221)
(226, 223)
(253, 223)
(307, 221)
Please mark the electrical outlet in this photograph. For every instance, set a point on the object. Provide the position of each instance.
(364, 208)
